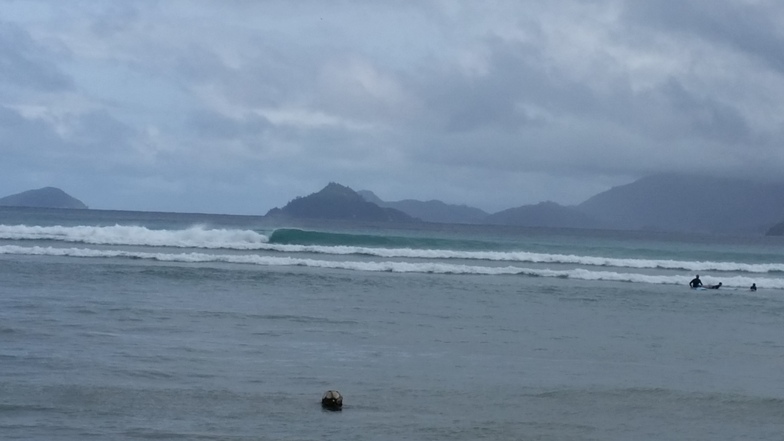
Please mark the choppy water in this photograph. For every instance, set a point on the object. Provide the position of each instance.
(119, 325)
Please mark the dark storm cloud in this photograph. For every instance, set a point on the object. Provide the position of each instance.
(703, 116)
(466, 102)
(518, 106)
(449, 100)
(752, 28)
(25, 63)
(527, 112)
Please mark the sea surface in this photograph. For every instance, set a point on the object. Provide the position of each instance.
(139, 326)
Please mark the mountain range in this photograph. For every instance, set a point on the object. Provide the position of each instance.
(665, 202)
(671, 202)
(430, 211)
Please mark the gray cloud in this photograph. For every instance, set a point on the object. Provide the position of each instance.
(21, 135)
(751, 28)
(115, 18)
(212, 125)
(25, 63)
(495, 106)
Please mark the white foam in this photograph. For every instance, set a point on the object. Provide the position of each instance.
(385, 266)
(527, 257)
(200, 237)
(194, 237)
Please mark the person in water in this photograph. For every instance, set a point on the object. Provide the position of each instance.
(715, 286)
(753, 287)
(696, 282)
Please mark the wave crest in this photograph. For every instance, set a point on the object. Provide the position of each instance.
(194, 237)
(383, 266)
(387, 247)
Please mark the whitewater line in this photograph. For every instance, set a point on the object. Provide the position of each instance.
(388, 266)
(193, 237)
(248, 240)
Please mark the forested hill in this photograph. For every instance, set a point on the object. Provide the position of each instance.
(338, 202)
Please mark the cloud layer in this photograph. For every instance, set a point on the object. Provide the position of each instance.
(238, 107)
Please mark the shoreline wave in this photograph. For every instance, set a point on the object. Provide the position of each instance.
(248, 240)
(377, 266)
(193, 237)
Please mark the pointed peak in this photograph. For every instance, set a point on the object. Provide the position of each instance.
(335, 189)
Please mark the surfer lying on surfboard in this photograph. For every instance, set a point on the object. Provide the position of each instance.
(697, 283)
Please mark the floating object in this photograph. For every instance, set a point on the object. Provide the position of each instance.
(332, 400)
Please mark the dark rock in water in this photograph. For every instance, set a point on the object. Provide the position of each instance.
(332, 400)
(47, 197)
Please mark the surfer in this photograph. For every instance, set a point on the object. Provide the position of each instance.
(696, 282)
(714, 286)
(753, 287)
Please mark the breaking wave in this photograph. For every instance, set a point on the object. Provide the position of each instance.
(387, 247)
(385, 266)
(194, 237)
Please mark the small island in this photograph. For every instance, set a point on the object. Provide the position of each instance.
(47, 197)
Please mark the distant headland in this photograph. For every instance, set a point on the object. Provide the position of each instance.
(47, 197)
(666, 202)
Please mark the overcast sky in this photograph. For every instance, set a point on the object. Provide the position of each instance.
(240, 106)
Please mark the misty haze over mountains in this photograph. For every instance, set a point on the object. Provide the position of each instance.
(666, 202)
(690, 203)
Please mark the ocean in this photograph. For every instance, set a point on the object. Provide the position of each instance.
(137, 326)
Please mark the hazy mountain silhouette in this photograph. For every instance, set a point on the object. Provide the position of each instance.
(431, 211)
(544, 214)
(47, 197)
(672, 202)
(338, 202)
(666, 202)
(776, 230)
